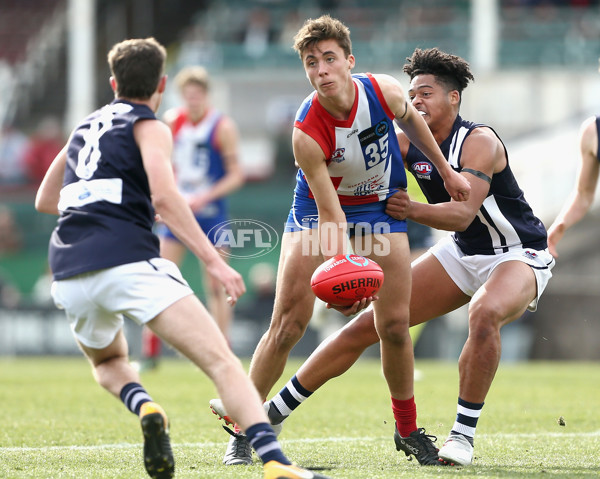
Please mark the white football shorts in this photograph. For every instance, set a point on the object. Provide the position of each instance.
(469, 272)
(96, 302)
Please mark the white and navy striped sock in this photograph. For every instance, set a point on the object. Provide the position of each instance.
(290, 397)
(263, 440)
(467, 415)
(133, 396)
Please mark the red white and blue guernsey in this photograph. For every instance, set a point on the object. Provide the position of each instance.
(363, 158)
(505, 220)
(198, 165)
(106, 214)
(197, 161)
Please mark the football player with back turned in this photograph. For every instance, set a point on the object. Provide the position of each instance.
(106, 185)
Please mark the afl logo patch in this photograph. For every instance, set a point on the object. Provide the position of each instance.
(338, 155)
(422, 168)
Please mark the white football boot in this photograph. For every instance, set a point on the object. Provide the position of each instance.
(457, 450)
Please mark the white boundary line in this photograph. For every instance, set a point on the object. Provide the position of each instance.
(202, 445)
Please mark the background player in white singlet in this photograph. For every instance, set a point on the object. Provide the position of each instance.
(107, 184)
(205, 160)
(496, 260)
(345, 145)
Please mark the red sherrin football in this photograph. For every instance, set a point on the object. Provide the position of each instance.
(345, 279)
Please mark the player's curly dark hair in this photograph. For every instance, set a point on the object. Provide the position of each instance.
(450, 70)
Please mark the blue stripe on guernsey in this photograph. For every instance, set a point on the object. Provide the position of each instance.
(303, 110)
(397, 175)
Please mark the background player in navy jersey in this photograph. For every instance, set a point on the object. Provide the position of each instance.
(345, 144)
(582, 197)
(106, 184)
(496, 260)
(205, 160)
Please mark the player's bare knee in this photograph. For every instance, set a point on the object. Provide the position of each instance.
(484, 322)
(290, 335)
(106, 368)
(288, 323)
(227, 367)
(286, 334)
(395, 332)
(357, 336)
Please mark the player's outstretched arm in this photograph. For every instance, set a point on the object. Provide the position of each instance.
(420, 135)
(48, 194)
(581, 199)
(482, 154)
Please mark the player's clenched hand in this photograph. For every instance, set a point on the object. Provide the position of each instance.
(198, 202)
(229, 278)
(457, 186)
(354, 308)
(398, 205)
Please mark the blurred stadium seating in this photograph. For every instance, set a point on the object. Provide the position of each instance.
(532, 34)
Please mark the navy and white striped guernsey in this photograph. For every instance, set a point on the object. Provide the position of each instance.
(505, 219)
(106, 211)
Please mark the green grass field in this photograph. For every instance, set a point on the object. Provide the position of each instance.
(59, 424)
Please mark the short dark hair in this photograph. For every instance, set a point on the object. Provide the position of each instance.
(137, 66)
(450, 70)
(323, 28)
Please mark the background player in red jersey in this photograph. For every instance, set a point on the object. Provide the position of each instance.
(207, 169)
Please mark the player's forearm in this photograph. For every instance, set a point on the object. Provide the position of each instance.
(227, 185)
(419, 135)
(572, 214)
(332, 235)
(450, 216)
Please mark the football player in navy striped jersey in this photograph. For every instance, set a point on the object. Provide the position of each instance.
(106, 185)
